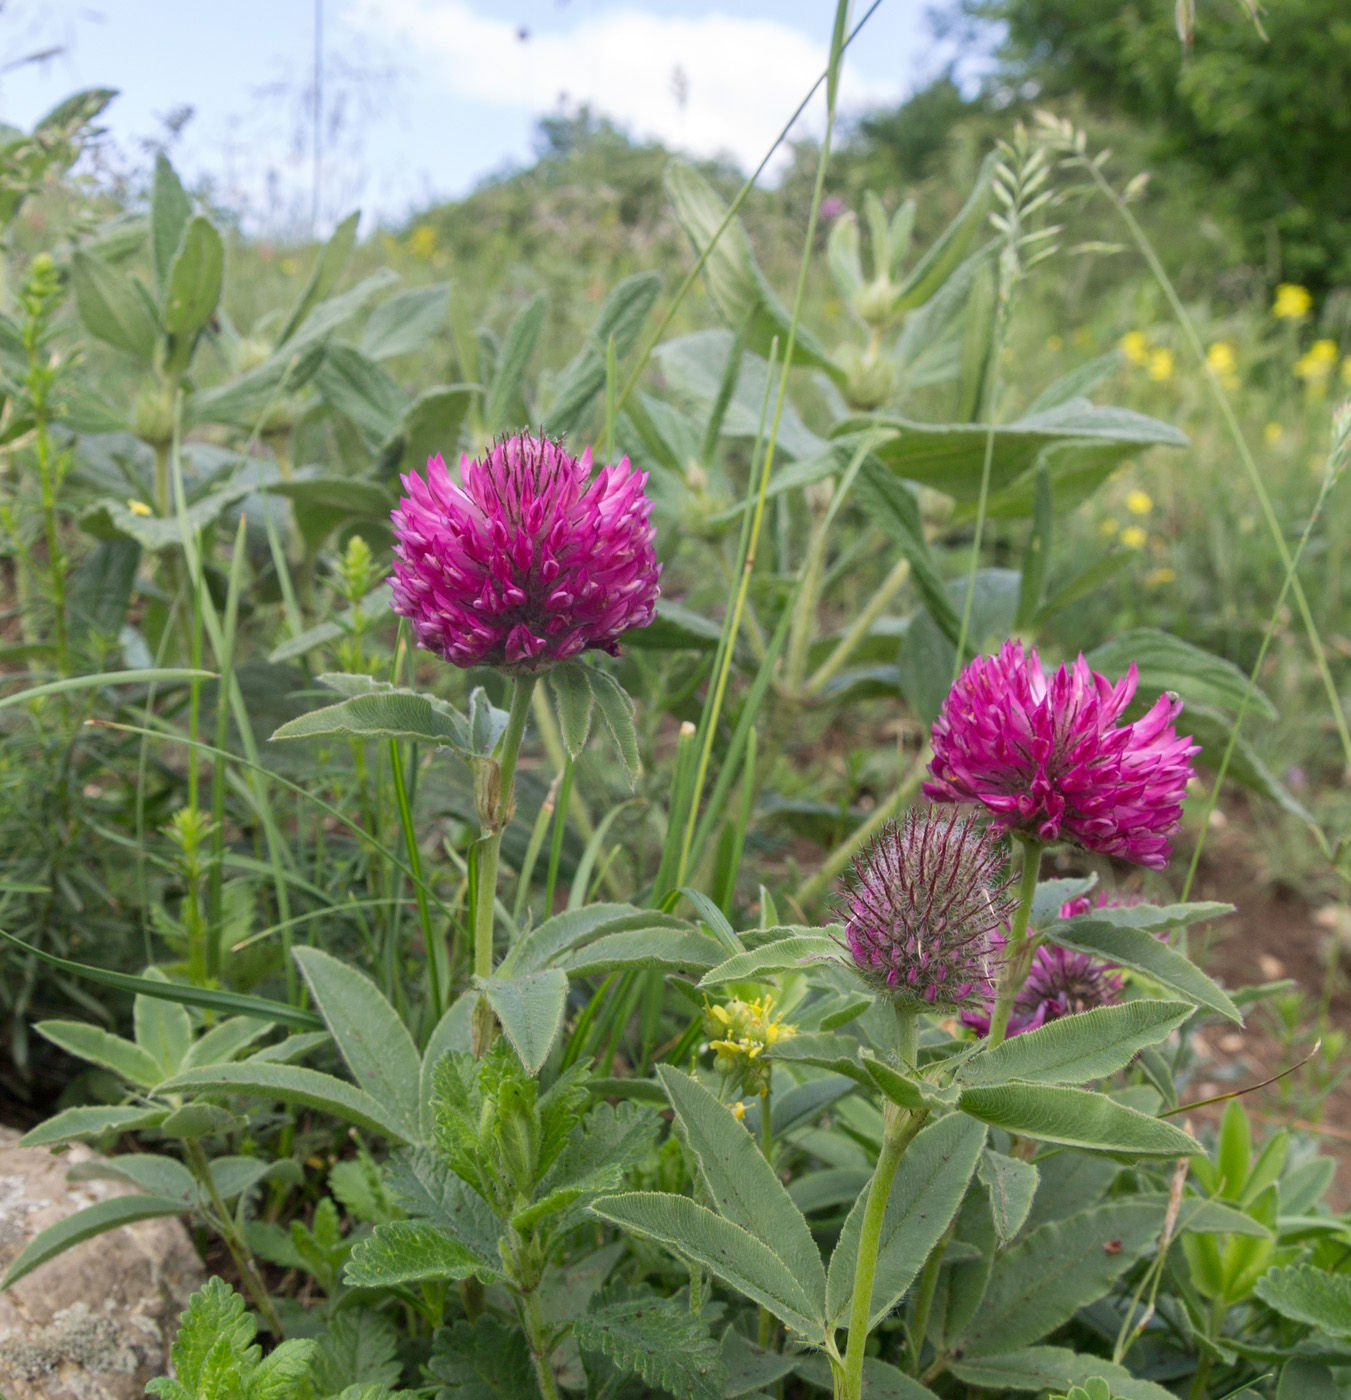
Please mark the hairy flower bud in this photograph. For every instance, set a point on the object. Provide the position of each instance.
(923, 910)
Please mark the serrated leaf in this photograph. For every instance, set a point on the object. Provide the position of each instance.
(571, 686)
(368, 1033)
(1012, 1183)
(1040, 1282)
(90, 1121)
(737, 1257)
(1053, 1368)
(1076, 1118)
(530, 1007)
(84, 1225)
(360, 1344)
(1309, 1295)
(659, 1340)
(408, 1251)
(1142, 952)
(129, 1062)
(790, 954)
(1074, 1049)
(427, 1188)
(215, 1315)
(484, 1360)
(743, 1186)
(616, 710)
(293, 1084)
(282, 1372)
(925, 1195)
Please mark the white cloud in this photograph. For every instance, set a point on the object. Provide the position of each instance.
(740, 78)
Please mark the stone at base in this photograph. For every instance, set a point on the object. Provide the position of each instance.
(95, 1323)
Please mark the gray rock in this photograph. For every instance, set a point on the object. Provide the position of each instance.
(95, 1323)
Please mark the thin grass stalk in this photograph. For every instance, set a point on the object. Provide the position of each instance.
(862, 624)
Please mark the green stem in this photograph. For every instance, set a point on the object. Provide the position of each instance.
(928, 1286)
(765, 1328)
(436, 951)
(1219, 1310)
(809, 596)
(1014, 972)
(539, 1351)
(853, 638)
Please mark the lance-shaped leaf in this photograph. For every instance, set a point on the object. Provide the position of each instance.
(129, 1062)
(1011, 1183)
(788, 954)
(1053, 1368)
(1076, 1118)
(386, 713)
(672, 950)
(737, 1257)
(570, 684)
(516, 349)
(1142, 952)
(910, 1091)
(616, 709)
(91, 1121)
(84, 1225)
(368, 1033)
(111, 307)
(837, 1053)
(744, 1188)
(244, 400)
(948, 250)
(1075, 1049)
(530, 1007)
(925, 1195)
(408, 1251)
(1166, 662)
(406, 321)
(549, 941)
(194, 282)
(1156, 918)
(328, 267)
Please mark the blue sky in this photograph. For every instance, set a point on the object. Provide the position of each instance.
(426, 97)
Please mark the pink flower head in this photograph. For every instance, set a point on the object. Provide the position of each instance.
(1047, 756)
(1060, 982)
(528, 561)
(923, 910)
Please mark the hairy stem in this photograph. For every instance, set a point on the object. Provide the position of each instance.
(539, 1348)
(1016, 955)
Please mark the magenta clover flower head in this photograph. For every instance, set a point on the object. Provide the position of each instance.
(923, 908)
(528, 560)
(1047, 756)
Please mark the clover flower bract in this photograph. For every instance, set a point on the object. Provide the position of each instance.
(923, 910)
(1048, 757)
(528, 561)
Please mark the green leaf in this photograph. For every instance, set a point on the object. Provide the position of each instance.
(197, 1120)
(546, 943)
(293, 1084)
(90, 1121)
(621, 318)
(283, 1371)
(386, 714)
(842, 256)
(910, 1091)
(129, 1062)
(880, 1381)
(170, 209)
(1074, 1049)
(483, 1360)
(84, 1225)
(431, 425)
(1053, 1368)
(1157, 918)
(1309, 1295)
(361, 390)
(328, 267)
(1012, 1183)
(451, 1033)
(359, 1345)
(951, 456)
(516, 350)
(1142, 952)
(405, 322)
(788, 954)
(149, 1172)
(836, 1053)
(194, 282)
(751, 1367)
(368, 1033)
(1053, 895)
(616, 708)
(225, 1040)
(1076, 1118)
(530, 1007)
(1166, 662)
(429, 1190)
(944, 254)
(1040, 1282)
(738, 288)
(163, 1028)
(671, 950)
(571, 686)
(743, 1186)
(111, 308)
(925, 1195)
(659, 1340)
(738, 1258)
(1307, 1380)
(246, 399)
(408, 1251)
(214, 1315)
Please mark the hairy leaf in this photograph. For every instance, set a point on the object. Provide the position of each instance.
(658, 1339)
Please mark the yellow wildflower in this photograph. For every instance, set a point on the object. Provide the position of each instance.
(422, 241)
(1133, 537)
(1272, 433)
(738, 1110)
(1139, 503)
(139, 508)
(1109, 527)
(1317, 363)
(1292, 302)
(744, 1030)
(1135, 347)
(1158, 576)
(1054, 342)
(1220, 357)
(1160, 365)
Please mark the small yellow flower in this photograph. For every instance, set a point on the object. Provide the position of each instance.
(1159, 576)
(1292, 302)
(738, 1110)
(1133, 537)
(139, 508)
(1160, 365)
(1316, 364)
(1272, 433)
(1139, 503)
(1346, 370)
(1135, 347)
(422, 241)
(1054, 342)
(1220, 357)
(288, 266)
(1109, 527)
